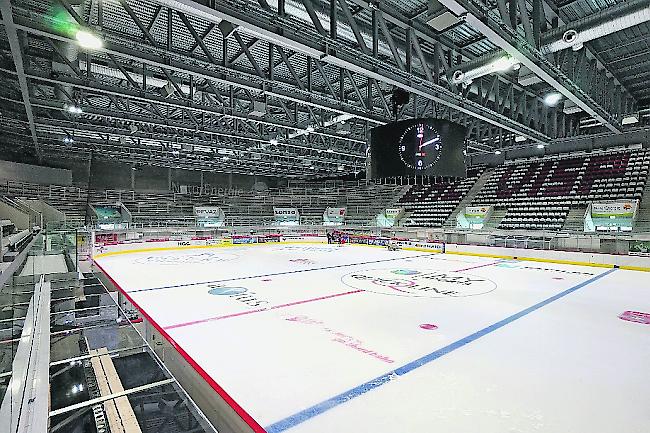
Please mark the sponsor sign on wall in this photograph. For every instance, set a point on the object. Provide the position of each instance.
(285, 212)
(394, 212)
(209, 216)
(286, 215)
(615, 210)
(336, 212)
(477, 211)
(334, 215)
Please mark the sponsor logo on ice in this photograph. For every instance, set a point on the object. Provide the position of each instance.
(420, 283)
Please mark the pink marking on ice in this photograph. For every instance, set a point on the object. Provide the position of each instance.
(636, 317)
(428, 326)
(259, 310)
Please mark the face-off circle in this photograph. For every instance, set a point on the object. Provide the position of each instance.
(419, 283)
(188, 259)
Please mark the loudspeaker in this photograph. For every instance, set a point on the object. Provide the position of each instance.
(399, 98)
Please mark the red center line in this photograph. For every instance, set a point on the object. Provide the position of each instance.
(259, 310)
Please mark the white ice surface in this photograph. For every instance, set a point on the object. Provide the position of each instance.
(571, 366)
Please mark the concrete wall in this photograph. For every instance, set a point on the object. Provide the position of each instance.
(572, 144)
(50, 214)
(20, 219)
(34, 174)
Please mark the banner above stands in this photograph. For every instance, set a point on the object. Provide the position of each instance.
(209, 216)
(608, 217)
(334, 216)
(390, 217)
(286, 216)
(473, 217)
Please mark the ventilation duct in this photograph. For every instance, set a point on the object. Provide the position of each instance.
(574, 35)
(606, 22)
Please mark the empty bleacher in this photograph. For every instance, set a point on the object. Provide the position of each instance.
(538, 195)
(244, 208)
(534, 194)
(430, 205)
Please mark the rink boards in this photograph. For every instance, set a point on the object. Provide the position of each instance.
(316, 337)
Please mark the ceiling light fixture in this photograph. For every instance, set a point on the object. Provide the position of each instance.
(552, 99)
(89, 40)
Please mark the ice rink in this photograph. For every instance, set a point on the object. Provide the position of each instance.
(320, 338)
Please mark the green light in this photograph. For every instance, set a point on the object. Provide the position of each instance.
(62, 22)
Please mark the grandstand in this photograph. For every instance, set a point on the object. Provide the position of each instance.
(309, 216)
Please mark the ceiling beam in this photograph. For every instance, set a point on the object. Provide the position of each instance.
(264, 25)
(16, 52)
(528, 55)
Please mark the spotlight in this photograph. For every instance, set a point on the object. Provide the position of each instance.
(504, 63)
(74, 109)
(497, 152)
(273, 141)
(540, 146)
(552, 99)
(520, 138)
(89, 40)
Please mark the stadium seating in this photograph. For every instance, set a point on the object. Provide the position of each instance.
(536, 195)
(430, 205)
(245, 208)
(539, 194)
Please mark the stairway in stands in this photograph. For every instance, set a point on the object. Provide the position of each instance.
(451, 221)
(642, 224)
(575, 220)
(495, 219)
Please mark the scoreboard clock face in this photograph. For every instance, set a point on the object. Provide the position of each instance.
(420, 146)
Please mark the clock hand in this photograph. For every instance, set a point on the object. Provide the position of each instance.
(433, 140)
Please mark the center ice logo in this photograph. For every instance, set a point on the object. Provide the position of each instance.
(405, 272)
(227, 291)
(239, 294)
(419, 283)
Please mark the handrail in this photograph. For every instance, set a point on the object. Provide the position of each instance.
(25, 404)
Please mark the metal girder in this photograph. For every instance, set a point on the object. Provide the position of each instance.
(480, 18)
(217, 73)
(313, 41)
(209, 77)
(16, 52)
(128, 94)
